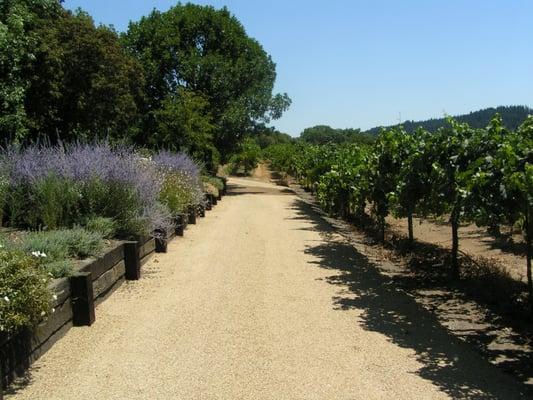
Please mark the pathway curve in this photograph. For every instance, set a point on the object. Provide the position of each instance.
(262, 300)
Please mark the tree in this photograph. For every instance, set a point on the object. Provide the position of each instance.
(184, 124)
(18, 42)
(323, 134)
(207, 52)
(82, 83)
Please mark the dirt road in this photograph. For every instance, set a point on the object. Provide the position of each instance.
(263, 300)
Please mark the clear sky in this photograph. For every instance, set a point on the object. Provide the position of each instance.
(362, 63)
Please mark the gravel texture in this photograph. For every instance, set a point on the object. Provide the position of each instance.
(261, 300)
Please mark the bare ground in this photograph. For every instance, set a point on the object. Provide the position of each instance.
(265, 299)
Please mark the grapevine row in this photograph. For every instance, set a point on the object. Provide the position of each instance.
(460, 173)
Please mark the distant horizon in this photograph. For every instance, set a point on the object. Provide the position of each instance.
(361, 65)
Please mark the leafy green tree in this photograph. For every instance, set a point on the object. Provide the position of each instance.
(206, 51)
(82, 83)
(184, 124)
(18, 43)
(323, 134)
(247, 158)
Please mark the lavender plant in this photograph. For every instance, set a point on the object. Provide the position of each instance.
(51, 187)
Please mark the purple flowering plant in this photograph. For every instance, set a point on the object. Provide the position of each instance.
(65, 185)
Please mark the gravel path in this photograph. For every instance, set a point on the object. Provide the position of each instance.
(262, 300)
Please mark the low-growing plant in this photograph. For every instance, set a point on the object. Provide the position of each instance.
(55, 251)
(60, 244)
(106, 227)
(24, 296)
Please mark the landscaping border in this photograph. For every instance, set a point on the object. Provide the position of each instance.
(75, 298)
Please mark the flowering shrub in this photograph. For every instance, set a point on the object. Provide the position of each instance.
(212, 185)
(181, 181)
(24, 295)
(61, 186)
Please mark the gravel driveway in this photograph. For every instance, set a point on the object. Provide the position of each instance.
(262, 300)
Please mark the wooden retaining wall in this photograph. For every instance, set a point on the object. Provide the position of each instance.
(75, 299)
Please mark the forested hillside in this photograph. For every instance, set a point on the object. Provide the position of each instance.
(512, 117)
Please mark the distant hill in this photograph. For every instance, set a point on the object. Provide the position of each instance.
(512, 116)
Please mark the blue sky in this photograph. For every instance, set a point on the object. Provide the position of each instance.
(362, 63)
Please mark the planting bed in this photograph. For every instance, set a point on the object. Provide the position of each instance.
(75, 298)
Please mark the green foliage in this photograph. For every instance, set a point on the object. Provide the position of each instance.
(55, 250)
(105, 227)
(24, 297)
(212, 184)
(82, 83)
(18, 45)
(464, 174)
(247, 158)
(208, 53)
(176, 193)
(512, 117)
(184, 124)
(323, 134)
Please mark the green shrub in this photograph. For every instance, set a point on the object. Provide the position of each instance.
(176, 192)
(56, 201)
(106, 227)
(55, 251)
(59, 269)
(62, 244)
(24, 296)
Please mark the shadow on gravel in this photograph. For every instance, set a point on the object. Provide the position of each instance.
(239, 190)
(450, 364)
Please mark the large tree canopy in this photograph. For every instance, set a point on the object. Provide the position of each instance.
(201, 50)
(18, 43)
(82, 82)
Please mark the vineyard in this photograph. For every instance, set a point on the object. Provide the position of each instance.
(458, 174)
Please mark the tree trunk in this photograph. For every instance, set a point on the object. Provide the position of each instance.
(455, 243)
(410, 227)
(382, 229)
(529, 251)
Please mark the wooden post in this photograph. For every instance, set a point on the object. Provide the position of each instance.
(132, 260)
(180, 228)
(192, 215)
(161, 245)
(1, 382)
(81, 287)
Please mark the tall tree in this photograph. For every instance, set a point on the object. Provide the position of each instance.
(18, 43)
(207, 52)
(82, 83)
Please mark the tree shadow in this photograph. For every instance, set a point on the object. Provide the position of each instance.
(454, 366)
(240, 190)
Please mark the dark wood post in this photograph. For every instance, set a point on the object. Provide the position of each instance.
(132, 260)
(1, 382)
(180, 226)
(192, 214)
(81, 287)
